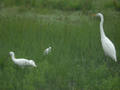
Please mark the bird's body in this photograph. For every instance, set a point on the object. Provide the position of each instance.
(108, 46)
(47, 51)
(21, 61)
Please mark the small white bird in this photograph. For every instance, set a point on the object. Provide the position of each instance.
(107, 44)
(47, 51)
(21, 61)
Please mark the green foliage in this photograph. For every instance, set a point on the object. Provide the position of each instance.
(8, 3)
(67, 4)
(55, 4)
(76, 62)
(83, 5)
(26, 3)
(116, 4)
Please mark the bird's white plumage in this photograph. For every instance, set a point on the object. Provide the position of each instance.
(107, 44)
(109, 48)
(21, 61)
(47, 50)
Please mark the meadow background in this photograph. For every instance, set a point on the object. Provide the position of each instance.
(77, 61)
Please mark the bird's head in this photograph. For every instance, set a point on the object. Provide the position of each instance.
(99, 14)
(11, 53)
(50, 47)
(32, 63)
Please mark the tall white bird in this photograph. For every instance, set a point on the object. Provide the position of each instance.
(47, 50)
(108, 46)
(21, 61)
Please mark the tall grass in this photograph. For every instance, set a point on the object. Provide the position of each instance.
(54, 4)
(116, 4)
(76, 62)
(66, 5)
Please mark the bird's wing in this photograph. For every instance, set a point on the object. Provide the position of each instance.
(22, 61)
(46, 51)
(109, 46)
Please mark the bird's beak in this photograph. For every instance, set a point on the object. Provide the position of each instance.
(93, 15)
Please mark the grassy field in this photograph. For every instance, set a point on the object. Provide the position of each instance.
(77, 61)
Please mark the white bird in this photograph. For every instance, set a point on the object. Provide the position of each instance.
(47, 50)
(108, 46)
(21, 61)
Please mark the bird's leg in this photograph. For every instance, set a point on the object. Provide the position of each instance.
(106, 59)
(109, 63)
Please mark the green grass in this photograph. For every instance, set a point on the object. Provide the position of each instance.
(54, 4)
(77, 60)
(66, 5)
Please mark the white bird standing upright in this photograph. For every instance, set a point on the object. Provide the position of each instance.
(21, 61)
(108, 46)
(47, 50)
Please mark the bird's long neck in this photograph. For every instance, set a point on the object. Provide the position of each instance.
(13, 57)
(101, 27)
